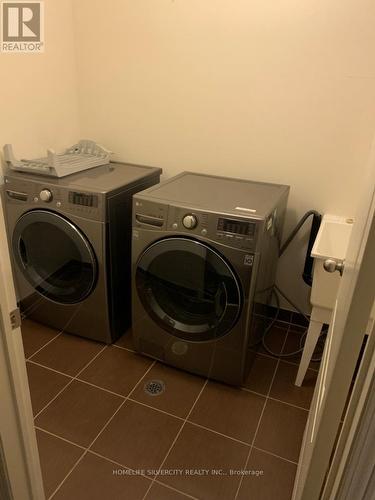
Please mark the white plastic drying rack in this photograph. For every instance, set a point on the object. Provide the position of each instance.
(81, 156)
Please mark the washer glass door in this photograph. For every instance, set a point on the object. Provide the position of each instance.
(54, 256)
(188, 288)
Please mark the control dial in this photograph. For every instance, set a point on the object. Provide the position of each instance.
(45, 195)
(190, 221)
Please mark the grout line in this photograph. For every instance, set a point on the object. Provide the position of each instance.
(102, 430)
(59, 437)
(219, 433)
(187, 495)
(176, 437)
(156, 409)
(101, 388)
(53, 399)
(58, 335)
(274, 455)
(294, 363)
(124, 348)
(68, 474)
(48, 368)
(275, 399)
(70, 381)
(44, 345)
(260, 418)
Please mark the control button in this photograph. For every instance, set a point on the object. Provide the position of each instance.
(219, 236)
(229, 236)
(190, 221)
(239, 238)
(36, 199)
(204, 232)
(58, 204)
(45, 195)
(174, 225)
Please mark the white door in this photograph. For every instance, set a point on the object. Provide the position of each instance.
(346, 332)
(20, 475)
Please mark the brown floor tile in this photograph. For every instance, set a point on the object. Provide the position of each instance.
(138, 437)
(276, 481)
(275, 339)
(181, 390)
(68, 354)
(116, 370)
(57, 457)
(79, 413)
(299, 319)
(35, 336)
(159, 492)
(44, 385)
(281, 430)
(197, 448)
(261, 373)
(283, 387)
(126, 341)
(94, 479)
(293, 344)
(228, 410)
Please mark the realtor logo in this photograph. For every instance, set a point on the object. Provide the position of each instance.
(22, 26)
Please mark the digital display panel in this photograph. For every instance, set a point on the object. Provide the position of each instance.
(236, 227)
(83, 199)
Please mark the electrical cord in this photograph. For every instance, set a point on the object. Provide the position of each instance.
(276, 290)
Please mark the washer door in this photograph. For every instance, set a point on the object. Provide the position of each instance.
(188, 289)
(54, 256)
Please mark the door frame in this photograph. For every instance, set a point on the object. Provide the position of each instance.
(353, 307)
(352, 473)
(20, 473)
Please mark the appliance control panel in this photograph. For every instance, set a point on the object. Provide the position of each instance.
(37, 194)
(238, 232)
(233, 231)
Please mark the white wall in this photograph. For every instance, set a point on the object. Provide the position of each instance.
(38, 92)
(275, 91)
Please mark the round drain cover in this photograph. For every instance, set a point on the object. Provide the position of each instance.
(154, 387)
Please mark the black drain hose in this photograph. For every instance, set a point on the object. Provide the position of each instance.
(317, 219)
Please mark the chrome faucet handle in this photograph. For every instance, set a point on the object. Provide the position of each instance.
(332, 265)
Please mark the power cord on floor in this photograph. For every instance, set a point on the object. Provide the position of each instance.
(276, 291)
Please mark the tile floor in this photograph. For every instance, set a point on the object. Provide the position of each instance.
(101, 436)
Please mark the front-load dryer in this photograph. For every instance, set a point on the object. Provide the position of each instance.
(204, 252)
(70, 238)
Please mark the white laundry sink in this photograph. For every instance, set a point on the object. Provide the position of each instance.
(331, 243)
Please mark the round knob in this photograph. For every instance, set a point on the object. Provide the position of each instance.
(190, 221)
(45, 195)
(331, 265)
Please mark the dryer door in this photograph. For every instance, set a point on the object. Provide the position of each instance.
(54, 256)
(188, 288)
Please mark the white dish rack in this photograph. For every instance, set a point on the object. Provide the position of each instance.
(81, 156)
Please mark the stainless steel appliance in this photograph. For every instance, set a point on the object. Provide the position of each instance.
(71, 242)
(204, 251)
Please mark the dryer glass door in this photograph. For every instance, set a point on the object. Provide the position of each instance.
(54, 256)
(188, 288)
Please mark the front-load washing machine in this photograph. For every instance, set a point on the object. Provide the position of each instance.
(204, 251)
(71, 241)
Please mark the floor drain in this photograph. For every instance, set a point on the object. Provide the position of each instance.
(154, 387)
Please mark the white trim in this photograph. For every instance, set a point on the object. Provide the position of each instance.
(16, 418)
(353, 463)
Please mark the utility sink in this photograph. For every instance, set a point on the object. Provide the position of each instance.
(333, 238)
(331, 243)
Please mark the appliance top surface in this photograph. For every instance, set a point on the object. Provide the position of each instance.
(101, 179)
(219, 194)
